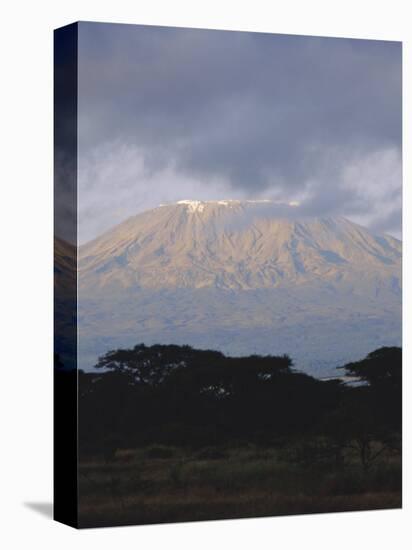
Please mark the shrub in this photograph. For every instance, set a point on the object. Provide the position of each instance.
(211, 453)
(160, 451)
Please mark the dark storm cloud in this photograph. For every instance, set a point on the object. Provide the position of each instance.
(270, 115)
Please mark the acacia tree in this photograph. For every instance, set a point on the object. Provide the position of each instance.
(380, 369)
(151, 365)
(374, 409)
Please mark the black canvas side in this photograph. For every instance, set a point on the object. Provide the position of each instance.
(65, 275)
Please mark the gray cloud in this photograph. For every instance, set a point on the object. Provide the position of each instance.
(166, 111)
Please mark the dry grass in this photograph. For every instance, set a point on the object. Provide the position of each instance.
(241, 483)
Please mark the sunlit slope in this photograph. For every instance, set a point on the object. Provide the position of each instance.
(236, 245)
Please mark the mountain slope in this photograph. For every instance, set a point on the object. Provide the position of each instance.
(242, 277)
(234, 245)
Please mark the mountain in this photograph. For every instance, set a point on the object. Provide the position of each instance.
(64, 267)
(242, 277)
(65, 289)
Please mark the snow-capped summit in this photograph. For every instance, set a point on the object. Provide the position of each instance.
(199, 206)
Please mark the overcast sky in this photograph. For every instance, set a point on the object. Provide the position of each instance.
(167, 114)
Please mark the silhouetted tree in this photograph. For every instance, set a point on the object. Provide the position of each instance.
(381, 368)
(182, 396)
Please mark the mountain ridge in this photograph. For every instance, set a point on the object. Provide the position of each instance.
(232, 244)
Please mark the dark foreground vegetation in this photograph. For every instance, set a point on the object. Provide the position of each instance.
(170, 433)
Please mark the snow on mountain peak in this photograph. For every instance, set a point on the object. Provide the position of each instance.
(193, 206)
(199, 206)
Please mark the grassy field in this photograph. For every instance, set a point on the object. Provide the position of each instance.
(161, 484)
